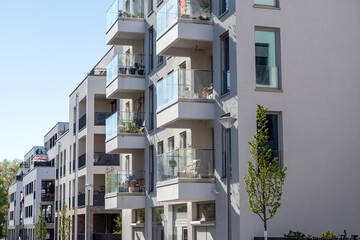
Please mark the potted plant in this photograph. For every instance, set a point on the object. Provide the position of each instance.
(132, 70)
(140, 71)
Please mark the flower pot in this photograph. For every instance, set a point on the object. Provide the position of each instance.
(122, 70)
(140, 71)
(132, 71)
(133, 189)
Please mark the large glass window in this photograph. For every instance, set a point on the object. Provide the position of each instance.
(274, 133)
(272, 3)
(180, 222)
(151, 49)
(225, 64)
(266, 59)
(151, 169)
(226, 151)
(151, 107)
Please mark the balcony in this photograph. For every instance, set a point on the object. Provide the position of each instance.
(183, 97)
(185, 175)
(100, 117)
(125, 22)
(82, 122)
(103, 159)
(125, 189)
(82, 161)
(124, 131)
(81, 200)
(125, 73)
(47, 191)
(99, 199)
(184, 26)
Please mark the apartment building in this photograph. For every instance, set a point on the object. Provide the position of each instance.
(188, 63)
(33, 186)
(80, 157)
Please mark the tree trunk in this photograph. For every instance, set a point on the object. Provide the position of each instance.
(265, 235)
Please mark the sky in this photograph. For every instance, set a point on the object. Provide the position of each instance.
(46, 49)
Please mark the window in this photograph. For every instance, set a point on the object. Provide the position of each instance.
(160, 147)
(151, 169)
(180, 222)
(206, 211)
(224, 6)
(151, 49)
(266, 59)
(183, 143)
(226, 151)
(150, 6)
(274, 133)
(157, 223)
(272, 3)
(151, 107)
(225, 64)
(171, 143)
(113, 106)
(160, 59)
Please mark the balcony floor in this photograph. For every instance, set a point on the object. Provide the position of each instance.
(125, 201)
(125, 142)
(124, 30)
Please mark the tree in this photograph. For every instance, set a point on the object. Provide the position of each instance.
(64, 223)
(118, 225)
(41, 228)
(265, 177)
(8, 171)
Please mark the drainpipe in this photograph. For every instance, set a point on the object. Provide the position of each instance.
(76, 166)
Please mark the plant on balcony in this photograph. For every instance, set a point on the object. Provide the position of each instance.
(142, 216)
(205, 10)
(265, 177)
(41, 227)
(296, 235)
(132, 70)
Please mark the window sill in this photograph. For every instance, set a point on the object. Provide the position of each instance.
(159, 3)
(223, 14)
(275, 90)
(224, 95)
(266, 7)
(150, 13)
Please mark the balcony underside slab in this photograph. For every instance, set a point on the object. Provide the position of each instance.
(124, 86)
(125, 201)
(185, 38)
(186, 190)
(183, 113)
(124, 30)
(124, 143)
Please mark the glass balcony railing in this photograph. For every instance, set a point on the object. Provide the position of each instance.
(126, 9)
(124, 122)
(125, 181)
(125, 64)
(82, 161)
(174, 10)
(185, 163)
(192, 84)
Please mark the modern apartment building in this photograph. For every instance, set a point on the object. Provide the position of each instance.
(186, 64)
(144, 135)
(80, 157)
(34, 186)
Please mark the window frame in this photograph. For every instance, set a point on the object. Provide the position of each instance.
(225, 63)
(276, 31)
(279, 135)
(151, 49)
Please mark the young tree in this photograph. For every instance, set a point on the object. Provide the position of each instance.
(118, 225)
(64, 223)
(8, 171)
(41, 228)
(265, 177)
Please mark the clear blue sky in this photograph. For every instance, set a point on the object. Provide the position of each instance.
(46, 49)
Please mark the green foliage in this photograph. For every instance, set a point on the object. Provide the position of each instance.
(265, 177)
(41, 228)
(292, 234)
(8, 171)
(64, 223)
(329, 235)
(142, 216)
(118, 225)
